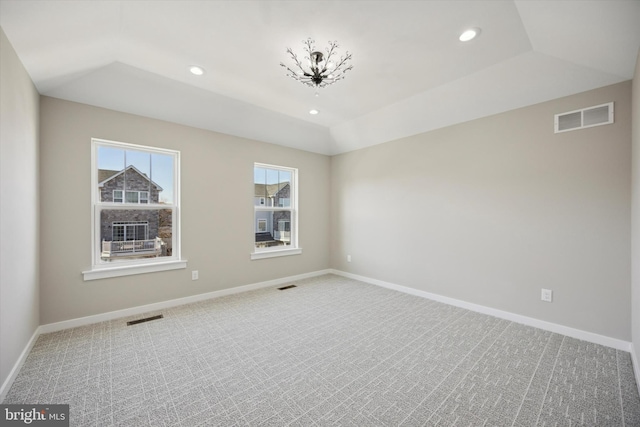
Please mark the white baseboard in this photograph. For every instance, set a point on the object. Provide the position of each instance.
(88, 320)
(74, 323)
(18, 365)
(529, 321)
(548, 326)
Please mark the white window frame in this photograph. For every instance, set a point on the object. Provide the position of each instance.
(124, 197)
(146, 199)
(101, 269)
(293, 248)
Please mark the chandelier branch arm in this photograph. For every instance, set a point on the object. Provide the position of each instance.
(343, 61)
(296, 60)
(330, 52)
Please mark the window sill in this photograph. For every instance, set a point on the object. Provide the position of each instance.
(275, 253)
(128, 270)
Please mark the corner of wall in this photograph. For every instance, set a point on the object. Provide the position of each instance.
(635, 219)
(19, 182)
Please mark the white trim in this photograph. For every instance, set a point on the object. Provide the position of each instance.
(128, 270)
(529, 321)
(293, 209)
(275, 253)
(88, 320)
(74, 323)
(18, 365)
(101, 269)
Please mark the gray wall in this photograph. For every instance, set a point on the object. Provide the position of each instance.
(19, 294)
(217, 211)
(636, 216)
(491, 211)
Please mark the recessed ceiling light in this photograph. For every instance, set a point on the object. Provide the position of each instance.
(198, 71)
(469, 34)
(314, 111)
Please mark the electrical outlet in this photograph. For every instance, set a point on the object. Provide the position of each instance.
(546, 295)
(194, 275)
(348, 258)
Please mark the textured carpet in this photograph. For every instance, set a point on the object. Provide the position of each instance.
(331, 351)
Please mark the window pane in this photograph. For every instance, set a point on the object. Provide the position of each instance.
(260, 196)
(117, 233)
(282, 227)
(282, 197)
(132, 197)
(272, 176)
(134, 233)
(273, 228)
(162, 179)
(272, 187)
(135, 171)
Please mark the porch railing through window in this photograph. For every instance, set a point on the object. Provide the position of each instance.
(132, 248)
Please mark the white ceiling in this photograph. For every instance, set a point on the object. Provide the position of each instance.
(410, 73)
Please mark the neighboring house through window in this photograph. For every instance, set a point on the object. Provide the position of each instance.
(135, 215)
(275, 211)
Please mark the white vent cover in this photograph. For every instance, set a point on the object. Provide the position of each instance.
(585, 118)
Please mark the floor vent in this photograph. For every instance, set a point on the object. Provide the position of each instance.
(287, 287)
(585, 118)
(146, 319)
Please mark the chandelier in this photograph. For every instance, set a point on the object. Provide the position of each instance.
(323, 69)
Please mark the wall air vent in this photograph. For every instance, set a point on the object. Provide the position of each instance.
(585, 118)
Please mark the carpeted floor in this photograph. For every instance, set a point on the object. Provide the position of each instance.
(331, 351)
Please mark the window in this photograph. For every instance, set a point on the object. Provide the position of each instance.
(275, 211)
(123, 231)
(136, 210)
(132, 196)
